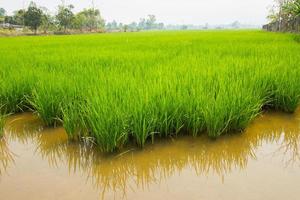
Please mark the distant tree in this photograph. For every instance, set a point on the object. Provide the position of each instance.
(284, 10)
(278, 9)
(133, 26)
(150, 23)
(114, 25)
(79, 21)
(273, 15)
(291, 9)
(65, 16)
(142, 24)
(206, 26)
(235, 25)
(33, 17)
(120, 26)
(8, 19)
(47, 20)
(18, 17)
(2, 15)
(160, 26)
(93, 19)
(108, 26)
(2, 12)
(184, 27)
(125, 27)
(297, 8)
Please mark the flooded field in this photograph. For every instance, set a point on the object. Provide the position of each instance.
(263, 163)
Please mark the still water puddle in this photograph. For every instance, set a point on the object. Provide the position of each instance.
(263, 163)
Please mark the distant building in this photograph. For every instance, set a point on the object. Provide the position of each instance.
(11, 26)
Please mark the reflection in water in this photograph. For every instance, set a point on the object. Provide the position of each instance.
(135, 168)
(6, 156)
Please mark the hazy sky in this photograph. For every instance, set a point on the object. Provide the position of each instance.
(167, 11)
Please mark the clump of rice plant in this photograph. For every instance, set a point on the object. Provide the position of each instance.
(138, 87)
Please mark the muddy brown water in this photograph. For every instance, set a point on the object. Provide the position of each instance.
(262, 163)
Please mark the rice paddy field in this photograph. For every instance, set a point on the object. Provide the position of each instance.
(122, 88)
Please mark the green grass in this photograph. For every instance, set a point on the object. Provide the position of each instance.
(139, 86)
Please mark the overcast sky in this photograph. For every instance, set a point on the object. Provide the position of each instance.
(168, 11)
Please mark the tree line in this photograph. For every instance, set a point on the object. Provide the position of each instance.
(284, 10)
(65, 19)
(38, 18)
(148, 23)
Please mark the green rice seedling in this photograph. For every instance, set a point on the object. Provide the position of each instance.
(47, 100)
(14, 89)
(107, 124)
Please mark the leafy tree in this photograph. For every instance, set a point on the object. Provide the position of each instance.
(2, 15)
(142, 24)
(273, 15)
(18, 17)
(125, 27)
(88, 19)
(47, 20)
(8, 19)
(235, 24)
(284, 10)
(297, 8)
(150, 23)
(79, 21)
(93, 19)
(121, 26)
(65, 16)
(2, 12)
(292, 9)
(184, 27)
(133, 26)
(108, 26)
(160, 26)
(33, 17)
(114, 24)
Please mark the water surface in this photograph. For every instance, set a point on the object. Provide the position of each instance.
(262, 163)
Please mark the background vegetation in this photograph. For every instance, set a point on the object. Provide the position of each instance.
(39, 20)
(285, 10)
(65, 20)
(284, 16)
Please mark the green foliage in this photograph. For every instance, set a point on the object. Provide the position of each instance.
(93, 18)
(149, 23)
(292, 8)
(65, 16)
(79, 21)
(17, 18)
(47, 21)
(33, 17)
(140, 86)
(88, 19)
(2, 12)
(285, 10)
